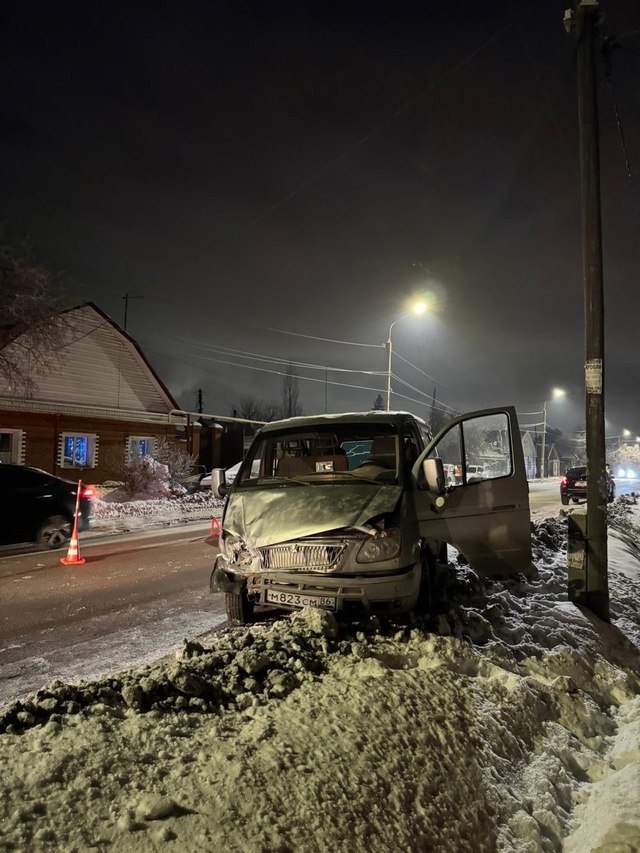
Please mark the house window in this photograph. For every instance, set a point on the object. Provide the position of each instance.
(12, 446)
(139, 445)
(78, 450)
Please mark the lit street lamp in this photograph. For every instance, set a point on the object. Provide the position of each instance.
(556, 394)
(418, 308)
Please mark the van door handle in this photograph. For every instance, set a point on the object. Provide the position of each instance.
(504, 506)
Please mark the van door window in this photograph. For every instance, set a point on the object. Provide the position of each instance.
(449, 449)
(487, 452)
(476, 450)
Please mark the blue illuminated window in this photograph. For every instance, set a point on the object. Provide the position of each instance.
(140, 445)
(78, 450)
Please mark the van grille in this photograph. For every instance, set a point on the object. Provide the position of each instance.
(298, 557)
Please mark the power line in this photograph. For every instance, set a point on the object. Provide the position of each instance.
(415, 367)
(219, 349)
(247, 353)
(168, 353)
(443, 407)
(327, 340)
(263, 370)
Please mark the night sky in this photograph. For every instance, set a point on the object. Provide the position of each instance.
(249, 167)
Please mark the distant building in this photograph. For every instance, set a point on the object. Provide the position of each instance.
(102, 404)
(530, 453)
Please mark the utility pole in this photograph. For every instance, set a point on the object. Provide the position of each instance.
(390, 352)
(584, 23)
(126, 298)
(200, 400)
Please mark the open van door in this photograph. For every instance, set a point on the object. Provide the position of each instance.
(484, 515)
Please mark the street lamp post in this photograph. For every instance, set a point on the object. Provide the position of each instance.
(418, 308)
(389, 351)
(557, 392)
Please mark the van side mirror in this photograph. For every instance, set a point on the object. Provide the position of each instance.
(433, 471)
(218, 483)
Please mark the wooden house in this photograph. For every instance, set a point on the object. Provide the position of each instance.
(99, 405)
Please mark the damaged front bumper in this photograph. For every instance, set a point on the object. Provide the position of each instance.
(389, 593)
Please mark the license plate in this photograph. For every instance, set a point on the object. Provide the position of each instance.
(295, 599)
(581, 484)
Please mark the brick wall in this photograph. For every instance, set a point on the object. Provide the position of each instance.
(42, 435)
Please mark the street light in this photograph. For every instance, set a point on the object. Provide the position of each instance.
(417, 308)
(556, 394)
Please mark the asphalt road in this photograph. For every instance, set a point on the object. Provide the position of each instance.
(544, 497)
(134, 600)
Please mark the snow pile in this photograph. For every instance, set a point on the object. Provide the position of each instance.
(516, 726)
(120, 516)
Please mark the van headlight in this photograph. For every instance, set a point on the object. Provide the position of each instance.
(381, 547)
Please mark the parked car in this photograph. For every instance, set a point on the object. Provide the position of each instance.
(39, 507)
(230, 475)
(353, 512)
(573, 485)
(475, 472)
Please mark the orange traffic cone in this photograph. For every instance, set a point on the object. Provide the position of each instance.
(73, 557)
(214, 530)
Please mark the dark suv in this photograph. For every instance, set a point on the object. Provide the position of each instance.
(38, 507)
(573, 485)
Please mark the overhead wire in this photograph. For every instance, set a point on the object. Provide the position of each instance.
(419, 369)
(429, 397)
(327, 340)
(218, 348)
(175, 357)
(607, 52)
(356, 344)
(264, 370)
(247, 353)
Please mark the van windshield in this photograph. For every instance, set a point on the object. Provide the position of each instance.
(335, 453)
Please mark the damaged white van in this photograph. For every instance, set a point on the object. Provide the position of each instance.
(352, 512)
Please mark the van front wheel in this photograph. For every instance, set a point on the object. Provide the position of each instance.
(239, 607)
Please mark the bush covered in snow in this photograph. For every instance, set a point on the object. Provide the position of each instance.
(145, 477)
(165, 474)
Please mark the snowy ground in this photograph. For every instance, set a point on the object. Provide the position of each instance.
(514, 726)
(123, 516)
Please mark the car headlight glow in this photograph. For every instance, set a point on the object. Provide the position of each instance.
(381, 547)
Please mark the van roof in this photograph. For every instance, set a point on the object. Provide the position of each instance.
(396, 418)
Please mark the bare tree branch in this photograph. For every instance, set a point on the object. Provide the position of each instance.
(32, 330)
(253, 409)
